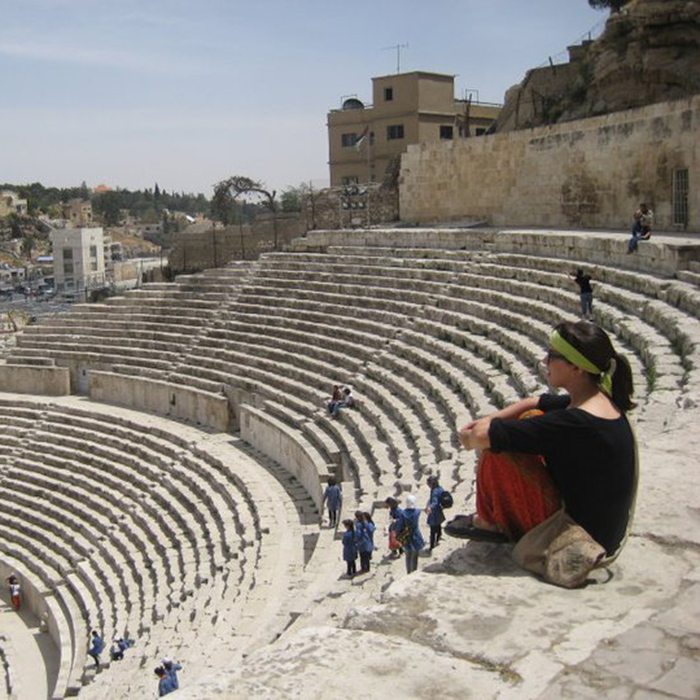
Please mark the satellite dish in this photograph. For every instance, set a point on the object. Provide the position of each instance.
(353, 103)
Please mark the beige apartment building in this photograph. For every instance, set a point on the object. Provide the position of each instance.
(407, 108)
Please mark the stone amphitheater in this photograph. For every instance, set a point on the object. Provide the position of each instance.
(164, 455)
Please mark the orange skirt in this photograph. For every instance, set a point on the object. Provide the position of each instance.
(515, 491)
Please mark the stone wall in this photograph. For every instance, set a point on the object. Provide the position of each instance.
(30, 379)
(286, 446)
(589, 173)
(173, 400)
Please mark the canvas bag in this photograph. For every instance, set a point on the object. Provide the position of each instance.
(559, 550)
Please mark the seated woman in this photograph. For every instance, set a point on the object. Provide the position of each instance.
(573, 465)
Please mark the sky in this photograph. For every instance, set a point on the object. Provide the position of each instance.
(185, 93)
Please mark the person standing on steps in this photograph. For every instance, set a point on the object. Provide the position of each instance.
(434, 511)
(363, 538)
(586, 293)
(333, 498)
(15, 599)
(171, 668)
(394, 514)
(350, 548)
(409, 533)
(97, 646)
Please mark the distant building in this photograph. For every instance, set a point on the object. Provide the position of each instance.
(408, 108)
(148, 229)
(79, 261)
(10, 203)
(78, 212)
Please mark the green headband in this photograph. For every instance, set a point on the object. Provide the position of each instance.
(576, 358)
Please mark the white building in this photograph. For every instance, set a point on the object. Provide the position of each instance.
(78, 259)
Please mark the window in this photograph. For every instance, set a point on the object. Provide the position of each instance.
(480, 131)
(393, 132)
(350, 180)
(680, 197)
(67, 254)
(371, 138)
(93, 266)
(347, 140)
(67, 267)
(93, 251)
(388, 94)
(446, 132)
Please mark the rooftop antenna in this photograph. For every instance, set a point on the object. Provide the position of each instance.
(398, 48)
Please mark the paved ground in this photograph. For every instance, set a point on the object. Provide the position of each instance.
(31, 653)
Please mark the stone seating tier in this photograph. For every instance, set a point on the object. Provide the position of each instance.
(656, 351)
(636, 293)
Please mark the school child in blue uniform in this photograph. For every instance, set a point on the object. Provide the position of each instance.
(414, 542)
(436, 516)
(363, 536)
(333, 498)
(394, 514)
(350, 547)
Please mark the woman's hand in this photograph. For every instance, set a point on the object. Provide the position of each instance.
(475, 435)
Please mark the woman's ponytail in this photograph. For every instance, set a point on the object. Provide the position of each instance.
(622, 384)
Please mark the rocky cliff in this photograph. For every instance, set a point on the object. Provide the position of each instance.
(649, 52)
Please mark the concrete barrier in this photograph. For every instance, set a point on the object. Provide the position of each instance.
(155, 396)
(32, 379)
(288, 447)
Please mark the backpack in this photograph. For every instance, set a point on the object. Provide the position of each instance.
(446, 500)
(406, 535)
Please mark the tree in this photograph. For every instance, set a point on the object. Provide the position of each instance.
(223, 205)
(239, 185)
(613, 5)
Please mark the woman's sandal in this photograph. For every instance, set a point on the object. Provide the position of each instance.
(462, 527)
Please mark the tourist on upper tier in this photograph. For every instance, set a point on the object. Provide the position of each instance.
(434, 511)
(347, 401)
(15, 595)
(166, 683)
(641, 227)
(333, 498)
(394, 514)
(586, 293)
(409, 533)
(364, 529)
(349, 548)
(171, 668)
(589, 474)
(97, 645)
(336, 397)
